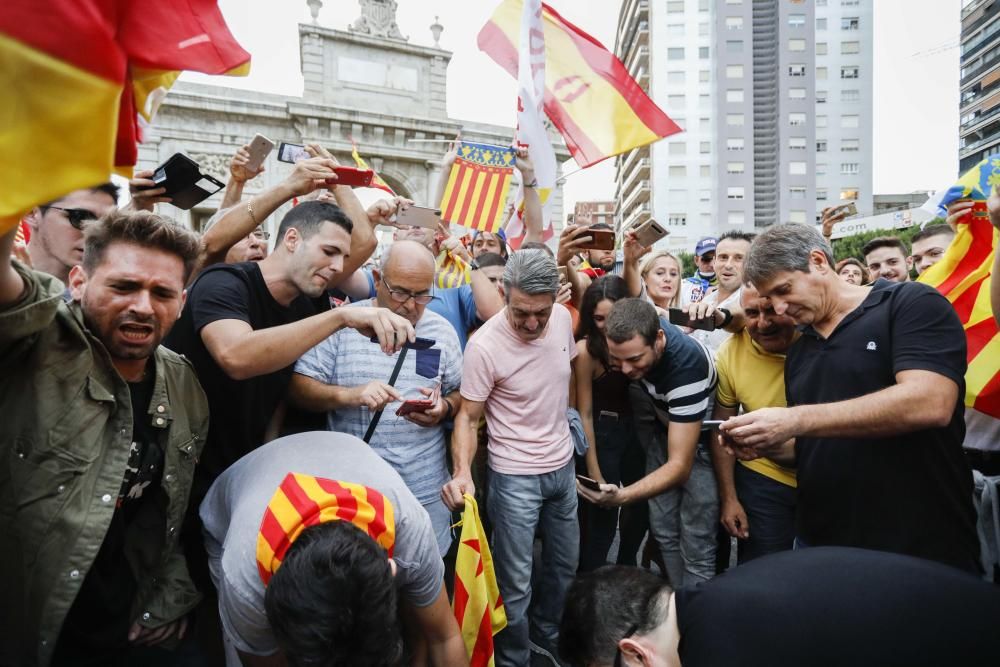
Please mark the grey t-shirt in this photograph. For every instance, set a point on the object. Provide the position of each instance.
(235, 506)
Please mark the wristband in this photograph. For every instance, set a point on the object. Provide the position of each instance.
(727, 317)
(451, 411)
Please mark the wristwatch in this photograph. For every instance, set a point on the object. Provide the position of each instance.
(726, 319)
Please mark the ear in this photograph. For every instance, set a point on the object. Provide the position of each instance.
(633, 653)
(77, 282)
(376, 276)
(909, 263)
(33, 218)
(291, 239)
(392, 566)
(180, 309)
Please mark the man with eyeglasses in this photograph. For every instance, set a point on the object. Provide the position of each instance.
(348, 377)
(56, 243)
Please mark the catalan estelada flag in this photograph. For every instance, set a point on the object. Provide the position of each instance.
(377, 181)
(589, 95)
(451, 271)
(477, 186)
(303, 500)
(963, 276)
(477, 605)
(79, 73)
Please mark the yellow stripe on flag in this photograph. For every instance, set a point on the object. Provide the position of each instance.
(981, 370)
(34, 118)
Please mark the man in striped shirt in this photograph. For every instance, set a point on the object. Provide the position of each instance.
(673, 377)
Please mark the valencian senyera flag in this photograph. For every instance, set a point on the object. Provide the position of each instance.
(963, 276)
(476, 191)
(304, 500)
(590, 97)
(477, 605)
(377, 181)
(451, 271)
(79, 75)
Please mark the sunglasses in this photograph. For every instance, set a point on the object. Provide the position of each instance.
(402, 296)
(78, 217)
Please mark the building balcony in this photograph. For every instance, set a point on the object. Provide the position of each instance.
(638, 214)
(636, 154)
(638, 195)
(980, 120)
(639, 173)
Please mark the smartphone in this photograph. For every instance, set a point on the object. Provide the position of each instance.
(563, 275)
(589, 483)
(848, 209)
(260, 148)
(601, 239)
(292, 153)
(680, 318)
(412, 406)
(418, 344)
(711, 423)
(356, 178)
(419, 216)
(649, 232)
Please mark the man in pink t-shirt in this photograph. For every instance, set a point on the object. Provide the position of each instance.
(517, 369)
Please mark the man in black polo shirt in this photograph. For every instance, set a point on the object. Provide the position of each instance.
(874, 423)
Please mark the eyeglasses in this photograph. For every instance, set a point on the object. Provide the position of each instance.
(618, 653)
(402, 296)
(77, 216)
(261, 234)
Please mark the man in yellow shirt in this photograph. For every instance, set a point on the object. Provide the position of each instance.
(758, 493)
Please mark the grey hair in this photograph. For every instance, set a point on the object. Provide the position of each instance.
(783, 248)
(532, 272)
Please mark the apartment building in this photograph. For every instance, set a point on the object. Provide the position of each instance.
(979, 85)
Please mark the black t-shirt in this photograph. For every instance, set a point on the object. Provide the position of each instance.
(910, 493)
(240, 409)
(98, 621)
(839, 606)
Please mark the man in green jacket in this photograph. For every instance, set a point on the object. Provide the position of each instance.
(100, 433)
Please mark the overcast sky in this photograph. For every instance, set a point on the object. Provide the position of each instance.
(916, 74)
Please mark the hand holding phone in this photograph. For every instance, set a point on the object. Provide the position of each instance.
(589, 483)
(355, 178)
(260, 147)
(416, 405)
(679, 317)
(292, 153)
(419, 216)
(601, 239)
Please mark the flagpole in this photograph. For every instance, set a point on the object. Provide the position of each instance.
(429, 141)
(563, 178)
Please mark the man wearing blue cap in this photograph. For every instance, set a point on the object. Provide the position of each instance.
(484, 242)
(704, 280)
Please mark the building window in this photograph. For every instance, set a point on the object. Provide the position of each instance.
(676, 53)
(849, 194)
(678, 196)
(734, 2)
(796, 168)
(849, 168)
(821, 24)
(796, 44)
(849, 121)
(704, 195)
(735, 144)
(820, 169)
(734, 46)
(735, 192)
(734, 119)
(735, 217)
(796, 193)
(702, 29)
(677, 148)
(705, 147)
(848, 3)
(821, 74)
(734, 22)
(820, 97)
(820, 121)
(702, 5)
(797, 93)
(675, 101)
(734, 71)
(850, 145)
(821, 146)
(735, 167)
(704, 101)
(705, 219)
(703, 52)
(704, 123)
(706, 171)
(704, 76)
(678, 171)
(796, 20)
(820, 48)
(675, 29)
(676, 77)
(796, 70)
(849, 72)
(675, 7)
(850, 23)
(798, 216)
(850, 47)
(851, 95)
(734, 95)
(821, 194)
(677, 219)
(797, 118)
(797, 143)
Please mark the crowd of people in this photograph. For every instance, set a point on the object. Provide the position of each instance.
(245, 447)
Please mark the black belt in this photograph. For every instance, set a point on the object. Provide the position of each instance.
(981, 455)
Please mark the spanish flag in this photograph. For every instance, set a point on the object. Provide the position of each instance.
(476, 191)
(77, 76)
(963, 277)
(303, 500)
(377, 181)
(477, 605)
(589, 95)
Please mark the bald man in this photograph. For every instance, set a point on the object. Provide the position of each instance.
(348, 377)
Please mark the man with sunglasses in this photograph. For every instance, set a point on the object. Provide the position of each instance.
(348, 377)
(56, 243)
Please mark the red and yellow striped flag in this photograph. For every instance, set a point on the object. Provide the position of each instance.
(452, 271)
(303, 500)
(76, 74)
(477, 186)
(963, 277)
(477, 605)
(377, 181)
(589, 95)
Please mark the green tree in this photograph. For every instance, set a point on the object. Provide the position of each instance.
(687, 264)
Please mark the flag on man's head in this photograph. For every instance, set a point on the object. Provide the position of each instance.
(963, 277)
(589, 95)
(476, 191)
(377, 181)
(477, 604)
(70, 115)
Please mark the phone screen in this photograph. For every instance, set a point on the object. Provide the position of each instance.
(292, 153)
(681, 318)
(591, 484)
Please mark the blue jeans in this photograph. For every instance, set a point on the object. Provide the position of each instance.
(770, 508)
(683, 519)
(517, 506)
